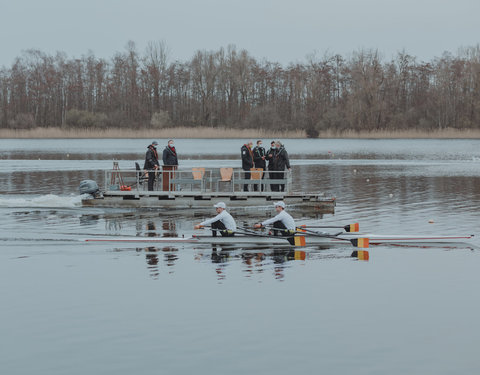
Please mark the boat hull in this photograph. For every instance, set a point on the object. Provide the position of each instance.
(341, 240)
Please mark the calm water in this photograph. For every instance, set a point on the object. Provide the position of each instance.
(75, 308)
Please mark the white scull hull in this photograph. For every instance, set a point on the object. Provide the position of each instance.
(340, 240)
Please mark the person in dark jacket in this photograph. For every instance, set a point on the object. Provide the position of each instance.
(280, 162)
(247, 161)
(170, 154)
(151, 163)
(269, 157)
(170, 163)
(259, 161)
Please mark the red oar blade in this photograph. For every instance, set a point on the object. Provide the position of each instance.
(296, 240)
(301, 229)
(361, 254)
(355, 227)
(300, 255)
(360, 242)
(299, 240)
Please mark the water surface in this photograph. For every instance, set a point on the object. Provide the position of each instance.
(76, 308)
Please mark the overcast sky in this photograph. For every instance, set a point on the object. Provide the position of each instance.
(279, 30)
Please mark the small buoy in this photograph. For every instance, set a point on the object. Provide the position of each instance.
(354, 171)
(430, 221)
(390, 195)
(368, 180)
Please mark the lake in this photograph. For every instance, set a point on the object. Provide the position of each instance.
(69, 307)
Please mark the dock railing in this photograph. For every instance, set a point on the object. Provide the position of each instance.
(199, 180)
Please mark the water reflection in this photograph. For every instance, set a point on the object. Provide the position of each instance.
(170, 256)
(255, 262)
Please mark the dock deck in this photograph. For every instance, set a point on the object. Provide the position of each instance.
(200, 188)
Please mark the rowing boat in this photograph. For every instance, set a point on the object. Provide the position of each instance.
(425, 240)
(310, 240)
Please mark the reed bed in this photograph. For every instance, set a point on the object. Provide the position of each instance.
(207, 132)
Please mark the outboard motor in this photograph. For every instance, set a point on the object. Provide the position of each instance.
(89, 187)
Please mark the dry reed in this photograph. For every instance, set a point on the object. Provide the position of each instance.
(206, 132)
(179, 132)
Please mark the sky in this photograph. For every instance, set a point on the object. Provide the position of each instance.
(276, 30)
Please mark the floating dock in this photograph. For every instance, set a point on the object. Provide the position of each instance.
(200, 188)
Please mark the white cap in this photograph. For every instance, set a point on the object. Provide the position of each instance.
(281, 204)
(220, 205)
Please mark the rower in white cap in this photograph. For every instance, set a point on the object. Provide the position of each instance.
(282, 221)
(223, 222)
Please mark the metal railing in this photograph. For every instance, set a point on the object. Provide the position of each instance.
(199, 180)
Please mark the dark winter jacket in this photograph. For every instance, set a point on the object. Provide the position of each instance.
(170, 156)
(280, 160)
(151, 158)
(272, 152)
(247, 158)
(259, 157)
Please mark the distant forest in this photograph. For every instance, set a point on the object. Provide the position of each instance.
(230, 88)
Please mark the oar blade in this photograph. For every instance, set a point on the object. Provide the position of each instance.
(300, 255)
(301, 229)
(296, 240)
(361, 254)
(299, 240)
(355, 227)
(360, 242)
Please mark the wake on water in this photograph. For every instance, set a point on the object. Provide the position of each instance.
(45, 201)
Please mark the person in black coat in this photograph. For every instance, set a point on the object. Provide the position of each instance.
(247, 161)
(170, 154)
(280, 162)
(151, 163)
(269, 156)
(259, 161)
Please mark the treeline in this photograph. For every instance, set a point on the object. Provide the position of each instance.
(230, 88)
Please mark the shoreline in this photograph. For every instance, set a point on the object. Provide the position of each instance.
(219, 133)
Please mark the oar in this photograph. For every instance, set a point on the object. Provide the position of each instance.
(347, 228)
(292, 240)
(356, 242)
(360, 254)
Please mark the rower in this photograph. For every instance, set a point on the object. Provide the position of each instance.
(282, 222)
(223, 222)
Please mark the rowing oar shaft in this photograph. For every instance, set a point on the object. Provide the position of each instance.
(347, 228)
(292, 240)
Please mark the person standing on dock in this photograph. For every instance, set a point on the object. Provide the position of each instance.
(283, 222)
(247, 161)
(280, 162)
(269, 156)
(223, 222)
(170, 154)
(259, 161)
(151, 163)
(170, 164)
